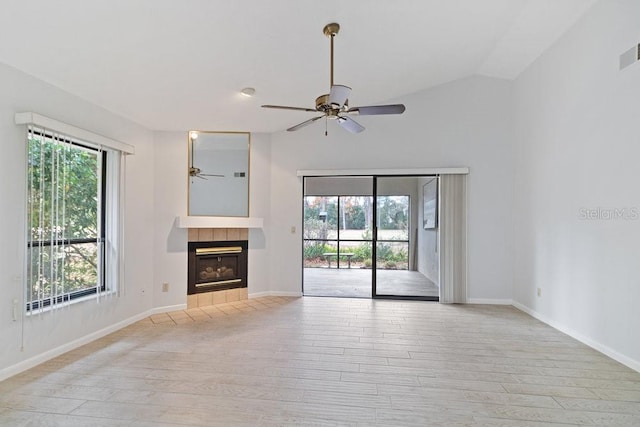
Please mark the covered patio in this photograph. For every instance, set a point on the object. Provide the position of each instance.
(356, 283)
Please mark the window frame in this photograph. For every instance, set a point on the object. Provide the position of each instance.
(32, 304)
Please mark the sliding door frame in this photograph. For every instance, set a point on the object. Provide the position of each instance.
(374, 251)
(374, 174)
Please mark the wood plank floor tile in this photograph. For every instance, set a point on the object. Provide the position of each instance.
(280, 361)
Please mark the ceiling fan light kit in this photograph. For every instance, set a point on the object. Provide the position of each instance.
(335, 104)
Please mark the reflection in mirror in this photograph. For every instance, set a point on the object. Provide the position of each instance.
(219, 173)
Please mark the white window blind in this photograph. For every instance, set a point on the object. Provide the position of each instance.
(453, 239)
(75, 205)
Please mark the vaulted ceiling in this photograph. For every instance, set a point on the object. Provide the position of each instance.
(180, 64)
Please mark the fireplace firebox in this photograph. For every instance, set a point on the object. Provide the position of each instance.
(216, 266)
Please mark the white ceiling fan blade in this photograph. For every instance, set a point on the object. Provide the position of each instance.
(211, 174)
(303, 124)
(283, 107)
(339, 95)
(378, 109)
(349, 124)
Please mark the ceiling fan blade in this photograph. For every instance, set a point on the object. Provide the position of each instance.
(210, 174)
(349, 124)
(378, 109)
(303, 124)
(339, 95)
(282, 107)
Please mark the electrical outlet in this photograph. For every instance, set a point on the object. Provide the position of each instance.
(539, 292)
(165, 287)
(293, 229)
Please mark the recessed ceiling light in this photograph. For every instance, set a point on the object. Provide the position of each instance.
(193, 134)
(248, 92)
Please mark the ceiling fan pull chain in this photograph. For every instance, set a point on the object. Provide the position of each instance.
(326, 132)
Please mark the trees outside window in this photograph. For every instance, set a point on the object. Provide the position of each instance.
(344, 224)
(65, 219)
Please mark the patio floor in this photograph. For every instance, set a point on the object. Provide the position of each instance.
(356, 282)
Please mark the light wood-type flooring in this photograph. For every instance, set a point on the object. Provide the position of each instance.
(278, 361)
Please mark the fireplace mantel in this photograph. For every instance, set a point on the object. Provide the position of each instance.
(218, 222)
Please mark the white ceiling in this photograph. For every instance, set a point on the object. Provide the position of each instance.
(180, 64)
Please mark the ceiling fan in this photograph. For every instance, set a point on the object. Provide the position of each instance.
(335, 104)
(195, 172)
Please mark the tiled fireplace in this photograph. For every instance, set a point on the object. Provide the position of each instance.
(220, 286)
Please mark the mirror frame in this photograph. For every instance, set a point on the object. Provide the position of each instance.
(190, 165)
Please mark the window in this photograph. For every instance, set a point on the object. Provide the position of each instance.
(392, 250)
(66, 205)
(343, 225)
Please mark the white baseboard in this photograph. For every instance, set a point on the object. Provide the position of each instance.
(627, 361)
(166, 309)
(489, 301)
(55, 352)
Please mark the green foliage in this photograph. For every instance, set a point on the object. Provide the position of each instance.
(391, 256)
(316, 249)
(401, 256)
(362, 252)
(393, 212)
(384, 252)
(314, 206)
(62, 204)
(352, 212)
(356, 213)
(75, 189)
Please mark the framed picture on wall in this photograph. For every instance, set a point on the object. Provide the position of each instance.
(430, 204)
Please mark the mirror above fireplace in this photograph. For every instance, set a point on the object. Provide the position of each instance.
(218, 173)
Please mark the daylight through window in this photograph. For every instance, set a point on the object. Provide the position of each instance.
(65, 219)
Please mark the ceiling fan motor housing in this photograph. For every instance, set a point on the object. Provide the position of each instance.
(331, 110)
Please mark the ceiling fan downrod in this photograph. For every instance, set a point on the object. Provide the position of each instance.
(331, 30)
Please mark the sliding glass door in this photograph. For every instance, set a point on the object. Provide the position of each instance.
(365, 237)
(337, 236)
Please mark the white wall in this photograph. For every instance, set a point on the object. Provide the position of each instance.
(578, 148)
(45, 333)
(464, 123)
(170, 243)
